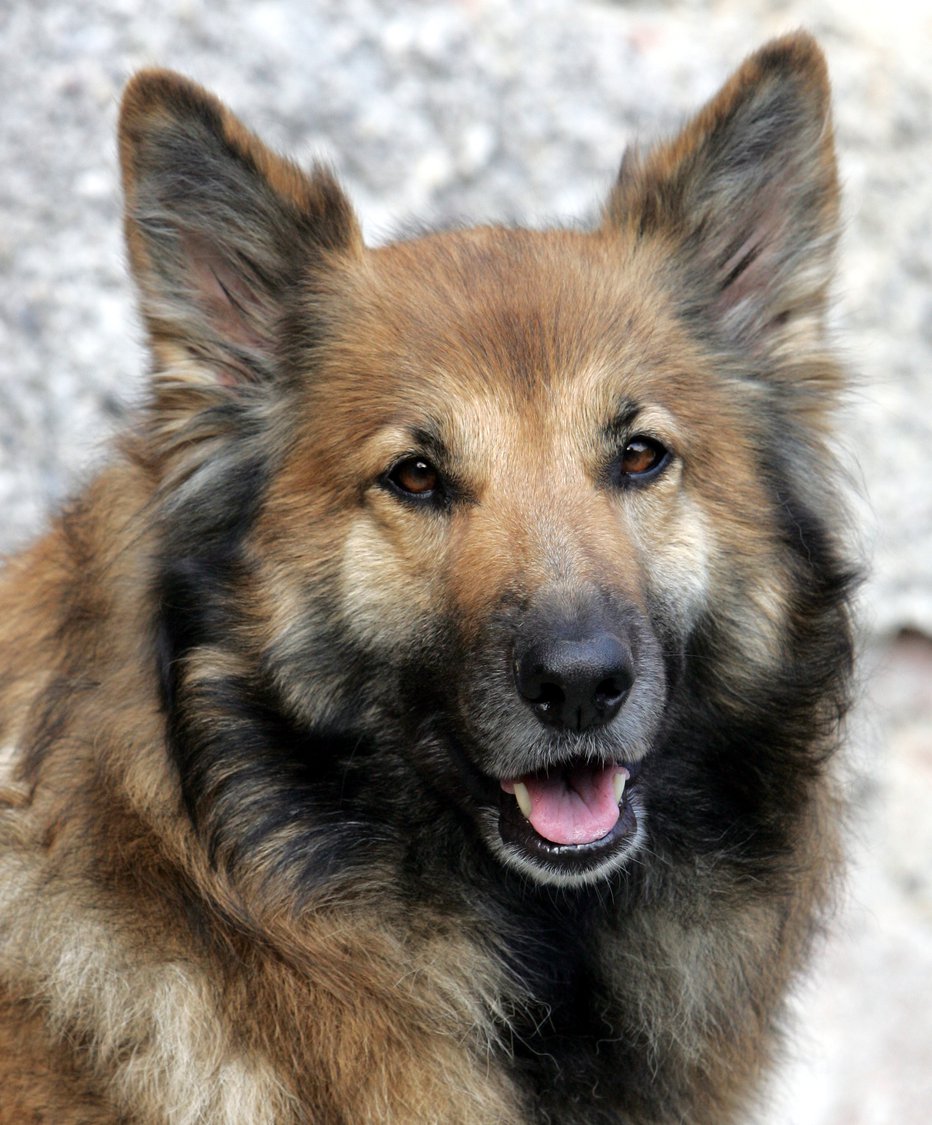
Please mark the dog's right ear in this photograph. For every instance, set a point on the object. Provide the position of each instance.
(220, 230)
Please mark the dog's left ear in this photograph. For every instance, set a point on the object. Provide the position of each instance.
(221, 231)
(747, 198)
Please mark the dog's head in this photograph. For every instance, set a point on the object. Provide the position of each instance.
(481, 509)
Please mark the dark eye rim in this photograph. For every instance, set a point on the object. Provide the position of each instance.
(434, 497)
(633, 480)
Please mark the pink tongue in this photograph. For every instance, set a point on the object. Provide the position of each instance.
(576, 806)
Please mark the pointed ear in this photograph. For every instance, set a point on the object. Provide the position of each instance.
(219, 229)
(747, 195)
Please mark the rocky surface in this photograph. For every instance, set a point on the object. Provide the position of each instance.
(488, 109)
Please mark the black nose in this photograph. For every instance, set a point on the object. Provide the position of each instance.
(575, 683)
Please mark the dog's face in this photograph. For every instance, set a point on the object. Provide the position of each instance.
(517, 488)
(497, 480)
(504, 471)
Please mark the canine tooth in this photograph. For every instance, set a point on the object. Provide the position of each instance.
(618, 784)
(523, 798)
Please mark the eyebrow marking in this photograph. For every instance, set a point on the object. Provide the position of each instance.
(625, 416)
(427, 440)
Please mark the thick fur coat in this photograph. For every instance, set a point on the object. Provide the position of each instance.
(428, 715)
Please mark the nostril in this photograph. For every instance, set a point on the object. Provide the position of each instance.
(611, 692)
(607, 690)
(550, 700)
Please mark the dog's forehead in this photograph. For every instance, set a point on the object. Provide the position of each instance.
(511, 322)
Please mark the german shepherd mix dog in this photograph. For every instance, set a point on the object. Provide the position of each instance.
(427, 717)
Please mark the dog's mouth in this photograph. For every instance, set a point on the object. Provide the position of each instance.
(573, 820)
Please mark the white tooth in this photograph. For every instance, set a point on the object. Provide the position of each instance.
(523, 798)
(618, 783)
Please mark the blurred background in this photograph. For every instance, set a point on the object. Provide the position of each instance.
(485, 110)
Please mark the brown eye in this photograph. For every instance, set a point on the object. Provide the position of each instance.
(642, 457)
(415, 477)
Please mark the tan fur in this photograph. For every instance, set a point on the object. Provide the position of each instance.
(149, 973)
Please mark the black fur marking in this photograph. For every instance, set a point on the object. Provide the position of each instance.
(620, 427)
(195, 583)
(248, 771)
(276, 779)
(752, 758)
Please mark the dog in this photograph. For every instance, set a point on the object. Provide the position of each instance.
(429, 713)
